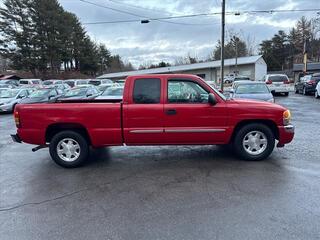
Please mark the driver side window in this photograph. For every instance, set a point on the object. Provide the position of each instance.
(185, 91)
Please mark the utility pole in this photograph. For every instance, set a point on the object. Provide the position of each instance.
(236, 46)
(223, 13)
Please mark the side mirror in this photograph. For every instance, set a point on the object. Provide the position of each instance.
(89, 95)
(212, 99)
(21, 96)
(51, 96)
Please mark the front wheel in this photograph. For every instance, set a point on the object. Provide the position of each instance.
(69, 149)
(254, 142)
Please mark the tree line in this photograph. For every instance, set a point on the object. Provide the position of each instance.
(41, 37)
(284, 49)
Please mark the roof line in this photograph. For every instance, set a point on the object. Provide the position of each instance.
(194, 66)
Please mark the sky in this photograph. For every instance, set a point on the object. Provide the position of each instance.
(170, 40)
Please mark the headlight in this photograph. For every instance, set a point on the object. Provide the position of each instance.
(270, 100)
(286, 117)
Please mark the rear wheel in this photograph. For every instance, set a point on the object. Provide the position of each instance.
(69, 149)
(254, 142)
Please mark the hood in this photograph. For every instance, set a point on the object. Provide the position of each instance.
(257, 96)
(3, 100)
(34, 100)
(255, 105)
(109, 97)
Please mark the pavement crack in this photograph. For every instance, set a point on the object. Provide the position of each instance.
(42, 202)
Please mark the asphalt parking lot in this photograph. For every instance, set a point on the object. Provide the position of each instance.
(165, 192)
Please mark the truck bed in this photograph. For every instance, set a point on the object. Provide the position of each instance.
(101, 118)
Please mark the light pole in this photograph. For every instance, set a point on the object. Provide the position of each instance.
(223, 6)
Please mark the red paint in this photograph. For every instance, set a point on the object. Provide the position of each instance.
(109, 124)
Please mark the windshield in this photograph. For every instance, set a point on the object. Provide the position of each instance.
(47, 82)
(76, 92)
(95, 82)
(113, 92)
(278, 78)
(40, 93)
(23, 82)
(9, 93)
(251, 89)
(241, 78)
(82, 82)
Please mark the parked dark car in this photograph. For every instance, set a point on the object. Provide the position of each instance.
(83, 92)
(42, 95)
(307, 84)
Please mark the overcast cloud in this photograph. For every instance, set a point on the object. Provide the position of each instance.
(157, 41)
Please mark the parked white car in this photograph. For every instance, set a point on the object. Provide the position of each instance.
(317, 92)
(277, 83)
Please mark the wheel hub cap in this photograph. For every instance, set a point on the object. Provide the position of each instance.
(255, 142)
(68, 149)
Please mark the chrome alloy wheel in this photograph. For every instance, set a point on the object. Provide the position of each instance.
(255, 142)
(68, 149)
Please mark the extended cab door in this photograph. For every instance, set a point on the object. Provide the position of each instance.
(189, 118)
(143, 112)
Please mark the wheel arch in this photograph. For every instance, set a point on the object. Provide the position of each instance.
(55, 128)
(269, 123)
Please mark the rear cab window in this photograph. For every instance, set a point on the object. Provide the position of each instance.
(24, 82)
(278, 78)
(147, 91)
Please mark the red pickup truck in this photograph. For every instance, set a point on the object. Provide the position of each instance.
(154, 110)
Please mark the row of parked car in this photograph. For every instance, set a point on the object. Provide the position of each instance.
(24, 91)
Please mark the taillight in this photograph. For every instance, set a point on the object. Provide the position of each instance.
(268, 82)
(286, 81)
(17, 119)
(311, 82)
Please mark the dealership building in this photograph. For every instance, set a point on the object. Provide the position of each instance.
(254, 67)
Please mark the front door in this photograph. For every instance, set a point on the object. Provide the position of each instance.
(143, 114)
(189, 118)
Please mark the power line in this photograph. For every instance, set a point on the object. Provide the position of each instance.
(163, 19)
(132, 14)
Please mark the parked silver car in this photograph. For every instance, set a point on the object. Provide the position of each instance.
(10, 97)
(251, 90)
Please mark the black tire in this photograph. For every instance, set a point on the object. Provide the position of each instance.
(296, 91)
(286, 94)
(241, 134)
(77, 138)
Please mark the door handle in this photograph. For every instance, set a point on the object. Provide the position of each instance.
(171, 112)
